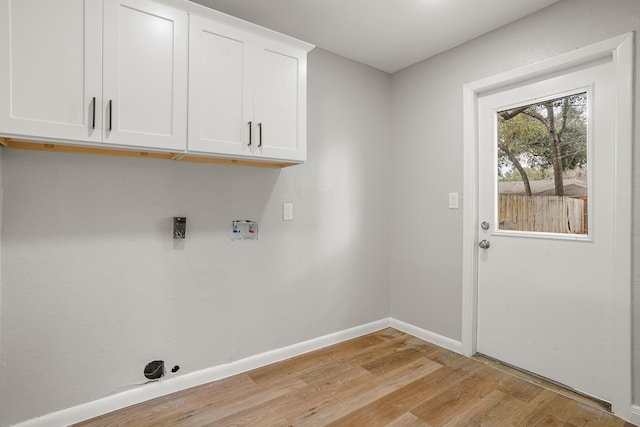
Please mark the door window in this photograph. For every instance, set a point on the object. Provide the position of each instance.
(542, 168)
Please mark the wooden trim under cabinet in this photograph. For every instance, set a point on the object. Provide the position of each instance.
(45, 146)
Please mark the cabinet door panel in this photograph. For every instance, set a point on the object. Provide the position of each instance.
(50, 68)
(145, 72)
(219, 89)
(280, 102)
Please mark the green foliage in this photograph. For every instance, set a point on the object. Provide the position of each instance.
(574, 138)
(525, 137)
(533, 174)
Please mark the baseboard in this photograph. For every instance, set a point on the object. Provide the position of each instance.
(428, 336)
(151, 391)
(635, 414)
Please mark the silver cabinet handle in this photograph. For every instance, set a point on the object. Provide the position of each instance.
(250, 130)
(484, 244)
(260, 140)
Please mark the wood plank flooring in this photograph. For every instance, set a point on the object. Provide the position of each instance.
(387, 378)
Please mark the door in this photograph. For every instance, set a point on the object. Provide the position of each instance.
(545, 260)
(145, 74)
(280, 102)
(51, 68)
(220, 92)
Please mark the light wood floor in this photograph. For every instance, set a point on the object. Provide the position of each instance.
(386, 378)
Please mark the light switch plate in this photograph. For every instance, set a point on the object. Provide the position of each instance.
(453, 200)
(287, 212)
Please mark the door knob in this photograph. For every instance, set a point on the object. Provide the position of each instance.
(484, 244)
(484, 225)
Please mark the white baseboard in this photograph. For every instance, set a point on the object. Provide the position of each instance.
(635, 414)
(153, 390)
(428, 336)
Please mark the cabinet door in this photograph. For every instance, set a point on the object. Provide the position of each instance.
(280, 102)
(145, 74)
(50, 68)
(220, 103)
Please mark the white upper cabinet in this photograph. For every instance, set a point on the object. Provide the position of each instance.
(247, 94)
(58, 82)
(280, 101)
(50, 68)
(145, 74)
(155, 75)
(220, 102)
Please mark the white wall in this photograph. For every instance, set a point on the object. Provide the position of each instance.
(93, 287)
(427, 148)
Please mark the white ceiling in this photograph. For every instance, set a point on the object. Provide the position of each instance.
(386, 34)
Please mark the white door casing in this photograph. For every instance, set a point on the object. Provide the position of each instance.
(617, 372)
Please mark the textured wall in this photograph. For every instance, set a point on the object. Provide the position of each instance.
(427, 153)
(93, 287)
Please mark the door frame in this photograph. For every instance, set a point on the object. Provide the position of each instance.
(621, 49)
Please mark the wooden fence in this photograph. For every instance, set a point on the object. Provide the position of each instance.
(552, 214)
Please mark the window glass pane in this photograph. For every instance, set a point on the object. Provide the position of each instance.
(542, 166)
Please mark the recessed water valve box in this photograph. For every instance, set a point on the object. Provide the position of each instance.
(179, 227)
(244, 229)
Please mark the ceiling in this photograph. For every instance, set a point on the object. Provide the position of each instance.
(386, 34)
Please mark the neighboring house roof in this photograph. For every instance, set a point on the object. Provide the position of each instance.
(572, 187)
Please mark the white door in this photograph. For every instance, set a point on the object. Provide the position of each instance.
(51, 68)
(145, 74)
(545, 295)
(280, 102)
(220, 92)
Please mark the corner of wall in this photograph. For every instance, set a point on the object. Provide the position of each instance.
(635, 414)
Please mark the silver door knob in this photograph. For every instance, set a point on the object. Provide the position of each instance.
(484, 225)
(484, 244)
